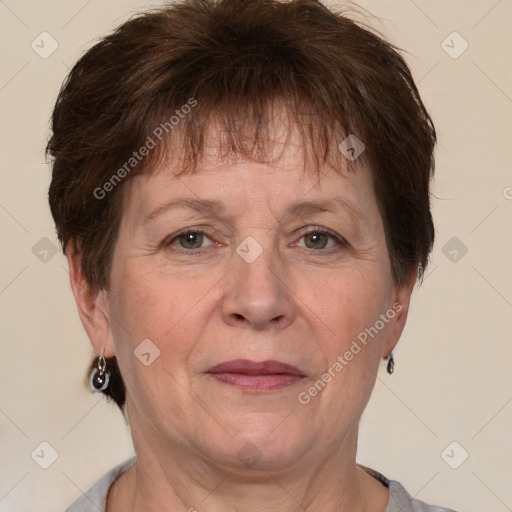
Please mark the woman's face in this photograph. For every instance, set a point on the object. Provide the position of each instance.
(280, 265)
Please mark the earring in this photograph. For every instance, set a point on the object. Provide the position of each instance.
(391, 363)
(99, 377)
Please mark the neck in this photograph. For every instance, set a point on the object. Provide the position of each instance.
(167, 479)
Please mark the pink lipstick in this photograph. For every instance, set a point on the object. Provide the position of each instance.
(256, 376)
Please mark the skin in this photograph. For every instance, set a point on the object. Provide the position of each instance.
(302, 301)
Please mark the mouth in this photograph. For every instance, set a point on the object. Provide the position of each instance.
(256, 376)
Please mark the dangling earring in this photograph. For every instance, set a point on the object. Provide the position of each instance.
(391, 363)
(99, 377)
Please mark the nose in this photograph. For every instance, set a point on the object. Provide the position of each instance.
(259, 293)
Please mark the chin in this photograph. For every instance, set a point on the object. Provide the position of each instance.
(261, 441)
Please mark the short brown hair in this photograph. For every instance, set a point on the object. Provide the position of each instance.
(235, 59)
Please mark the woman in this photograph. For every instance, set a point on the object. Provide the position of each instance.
(290, 148)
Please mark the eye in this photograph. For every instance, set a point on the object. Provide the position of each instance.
(319, 238)
(189, 240)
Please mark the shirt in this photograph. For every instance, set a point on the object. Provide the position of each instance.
(94, 499)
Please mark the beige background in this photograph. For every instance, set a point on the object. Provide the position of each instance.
(453, 378)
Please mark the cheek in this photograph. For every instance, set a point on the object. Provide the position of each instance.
(347, 311)
(165, 308)
(347, 303)
(151, 343)
(138, 307)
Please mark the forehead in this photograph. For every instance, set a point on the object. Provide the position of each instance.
(284, 173)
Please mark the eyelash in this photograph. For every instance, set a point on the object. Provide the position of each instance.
(191, 252)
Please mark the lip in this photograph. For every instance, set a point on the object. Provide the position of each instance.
(259, 376)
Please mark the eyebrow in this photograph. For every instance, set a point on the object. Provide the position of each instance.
(301, 208)
(304, 208)
(203, 206)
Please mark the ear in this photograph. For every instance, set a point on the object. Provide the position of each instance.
(92, 304)
(400, 305)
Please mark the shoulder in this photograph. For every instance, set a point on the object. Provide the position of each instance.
(400, 500)
(94, 499)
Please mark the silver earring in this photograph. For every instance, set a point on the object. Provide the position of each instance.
(99, 376)
(391, 363)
